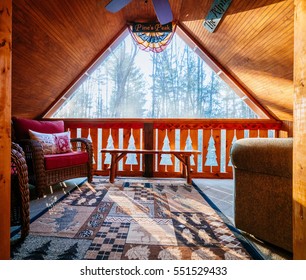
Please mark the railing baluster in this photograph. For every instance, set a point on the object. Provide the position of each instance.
(138, 145)
(161, 134)
(206, 137)
(263, 133)
(94, 138)
(99, 147)
(254, 133)
(125, 142)
(171, 137)
(193, 134)
(239, 133)
(107, 142)
(193, 131)
(217, 138)
(230, 139)
(183, 139)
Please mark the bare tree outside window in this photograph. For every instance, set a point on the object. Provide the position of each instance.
(175, 83)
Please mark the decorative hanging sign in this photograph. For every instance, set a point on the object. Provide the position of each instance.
(151, 27)
(152, 37)
(215, 14)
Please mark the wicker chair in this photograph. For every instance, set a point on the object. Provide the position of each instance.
(74, 164)
(20, 195)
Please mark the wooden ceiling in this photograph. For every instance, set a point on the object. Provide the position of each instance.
(53, 41)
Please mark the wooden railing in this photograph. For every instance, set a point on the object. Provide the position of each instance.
(213, 138)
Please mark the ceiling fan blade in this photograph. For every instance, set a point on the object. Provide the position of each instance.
(116, 5)
(163, 11)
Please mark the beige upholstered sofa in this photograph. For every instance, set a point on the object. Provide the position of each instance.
(263, 188)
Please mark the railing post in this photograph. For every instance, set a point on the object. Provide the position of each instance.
(148, 145)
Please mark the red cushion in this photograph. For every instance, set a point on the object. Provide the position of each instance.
(56, 161)
(22, 126)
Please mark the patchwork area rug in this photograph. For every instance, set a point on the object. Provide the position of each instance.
(134, 219)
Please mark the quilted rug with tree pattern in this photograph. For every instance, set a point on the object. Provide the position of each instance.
(134, 219)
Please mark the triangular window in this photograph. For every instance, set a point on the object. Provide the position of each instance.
(179, 82)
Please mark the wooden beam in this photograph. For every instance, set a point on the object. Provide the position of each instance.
(5, 124)
(299, 144)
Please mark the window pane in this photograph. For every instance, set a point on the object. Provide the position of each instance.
(175, 83)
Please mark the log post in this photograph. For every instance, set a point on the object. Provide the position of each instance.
(5, 124)
(299, 145)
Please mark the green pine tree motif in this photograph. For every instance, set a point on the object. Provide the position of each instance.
(40, 252)
(70, 254)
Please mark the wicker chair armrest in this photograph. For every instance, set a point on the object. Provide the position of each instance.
(82, 144)
(17, 148)
(34, 153)
(21, 190)
(32, 148)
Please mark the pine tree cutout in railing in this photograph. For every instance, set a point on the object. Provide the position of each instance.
(110, 145)
(211, 157)
(166, 158)
(131, 158)
(188, 147)
(233, 141)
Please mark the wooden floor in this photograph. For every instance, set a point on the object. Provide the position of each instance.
(219, 191)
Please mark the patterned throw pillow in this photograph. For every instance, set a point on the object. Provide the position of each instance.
(62, 142)
(47, 141)
(55, 143)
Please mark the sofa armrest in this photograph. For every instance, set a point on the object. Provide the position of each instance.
(271, 156)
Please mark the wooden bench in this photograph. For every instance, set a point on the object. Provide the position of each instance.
(118, 154)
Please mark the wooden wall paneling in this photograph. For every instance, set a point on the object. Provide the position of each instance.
(288, 128)
(5, 125)
(299, 144)
(258, 51)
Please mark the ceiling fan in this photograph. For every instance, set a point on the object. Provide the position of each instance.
(162, 9)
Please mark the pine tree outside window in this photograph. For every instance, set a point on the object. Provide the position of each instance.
(131, 83)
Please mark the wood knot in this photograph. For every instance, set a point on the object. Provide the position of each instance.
(3, 43)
